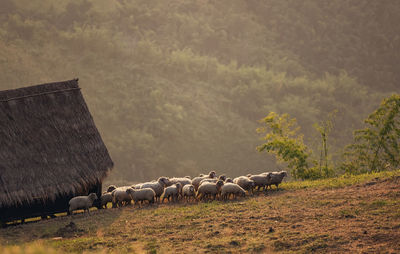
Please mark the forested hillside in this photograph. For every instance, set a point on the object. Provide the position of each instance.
(177, 87)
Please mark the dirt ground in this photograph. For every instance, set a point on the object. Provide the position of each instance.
(363, 218)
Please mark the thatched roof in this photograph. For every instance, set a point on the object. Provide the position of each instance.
(49, 144)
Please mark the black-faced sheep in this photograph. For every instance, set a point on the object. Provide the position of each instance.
(209, 190)
(222, 178)
(232, 189)
(82, 202)
(111, 188)
(228, 180)
(105, 198)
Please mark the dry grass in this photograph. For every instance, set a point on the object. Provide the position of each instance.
(360, 216)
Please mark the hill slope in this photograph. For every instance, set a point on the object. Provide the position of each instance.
(352, 214)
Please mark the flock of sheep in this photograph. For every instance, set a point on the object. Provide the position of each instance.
(203, 187)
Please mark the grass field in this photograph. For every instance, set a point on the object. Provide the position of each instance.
(345, 214)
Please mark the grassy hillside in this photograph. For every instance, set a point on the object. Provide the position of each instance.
(176, 87)
(346, 214)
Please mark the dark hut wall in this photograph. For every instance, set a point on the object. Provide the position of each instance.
(40, 207)
(49, 144)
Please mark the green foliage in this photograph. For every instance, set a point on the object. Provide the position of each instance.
(283, 140)
(377, 146)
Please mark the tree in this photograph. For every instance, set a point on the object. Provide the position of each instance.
(324, 128)
(376, 147)
(283, 140)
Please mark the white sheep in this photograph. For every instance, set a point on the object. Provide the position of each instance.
(120, 197)
(232, 189)
(209, 190)
(261, 180)
(82, 202)
(182, 180)
(172, 192)
(196, 181)
(276, 178)
(141, 195)
(188, 192)
(158, 186)
(245, 182)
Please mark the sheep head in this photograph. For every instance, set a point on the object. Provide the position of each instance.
(212, 174)
(219, 184)
(164, 181)
(130, 192)
(222, 177)
(92, 196)
(179, 186)
(111, 188)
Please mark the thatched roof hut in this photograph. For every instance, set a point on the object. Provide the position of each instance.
(50, 147)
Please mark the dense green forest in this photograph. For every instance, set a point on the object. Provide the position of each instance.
(177, 87)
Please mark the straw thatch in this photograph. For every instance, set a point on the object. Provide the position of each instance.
(49, 144)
